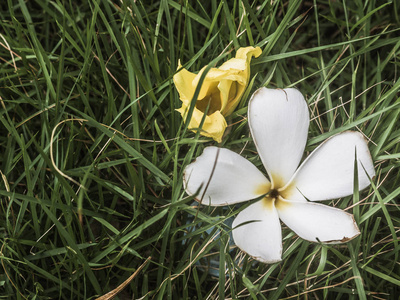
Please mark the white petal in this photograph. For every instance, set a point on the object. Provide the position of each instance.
(262, 238)
(221, 177)
(279, 124)
(328, 172)
(317, 222)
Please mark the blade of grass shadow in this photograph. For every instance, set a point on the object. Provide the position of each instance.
(384, 276)
(394, 117)
(40, 54)
(125, 146)
(251, 16)
(189, 13)
(291, 272)
(53, 278)
(356, 272)
(388, 217)
(382, 203)
(273, 38)
(265, 58)
(128, 236)
(224, 247)
(355, 123)
(229, 17)
(71, 243)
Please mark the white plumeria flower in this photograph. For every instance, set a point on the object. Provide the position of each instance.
(279, 122)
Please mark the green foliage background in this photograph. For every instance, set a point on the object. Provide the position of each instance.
(92, 149)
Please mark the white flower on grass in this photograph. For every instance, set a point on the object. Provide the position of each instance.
(279, 122)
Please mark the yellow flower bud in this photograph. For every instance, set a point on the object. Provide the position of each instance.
(220, 92)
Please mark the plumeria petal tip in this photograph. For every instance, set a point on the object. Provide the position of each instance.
(278, 121)
(328, 172)
(316, 222)
(257, 231)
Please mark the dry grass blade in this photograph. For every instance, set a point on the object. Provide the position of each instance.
(114, 292)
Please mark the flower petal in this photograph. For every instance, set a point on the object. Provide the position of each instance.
(236, 91)
(183, 82)
(317, 222)
(279, 124)
(248, 52)
(231, 92)
(242, 59)
(214, 125)
(328, 173)
(262, 238)
(222, 177)
(215, 75)
(240, 62)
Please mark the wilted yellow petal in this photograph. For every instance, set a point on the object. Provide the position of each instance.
(228, 92)
(183, 83)
(248, 52)
(219, 82)
(238, 64)
(219, 74)
(214, 124)
(209, 85)
(242, 60)
(236, 93)
(220, 93)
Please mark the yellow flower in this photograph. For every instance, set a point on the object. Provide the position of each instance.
(221, 91)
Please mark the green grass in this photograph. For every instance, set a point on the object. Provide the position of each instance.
(92, 150)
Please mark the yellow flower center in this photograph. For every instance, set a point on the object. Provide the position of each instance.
(277, 194)
(211, 101)
(233, 91)
(272, 199)
(274, 194)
